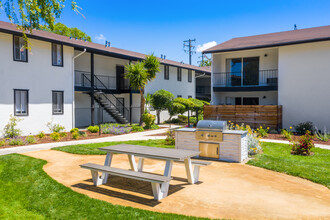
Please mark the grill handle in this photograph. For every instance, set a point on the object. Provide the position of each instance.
(217, 150)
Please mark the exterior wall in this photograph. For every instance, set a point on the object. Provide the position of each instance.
(265, 97)
(304, 83)
(40, 78)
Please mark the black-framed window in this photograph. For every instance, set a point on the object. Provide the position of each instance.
(57, 54)
(250, 101)
(189, 75)
(166, 72)
(58, 107)
(179, 96)
(20, 51)
(21, 102)
(179, 74)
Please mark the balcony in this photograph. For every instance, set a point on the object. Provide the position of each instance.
(264, 80)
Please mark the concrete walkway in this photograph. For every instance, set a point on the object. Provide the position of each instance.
(125, 137)
(287, 142)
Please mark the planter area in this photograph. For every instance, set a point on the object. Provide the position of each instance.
(294, 137)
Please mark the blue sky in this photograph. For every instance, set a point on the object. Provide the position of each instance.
(161, 26)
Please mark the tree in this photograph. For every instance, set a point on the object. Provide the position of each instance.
(176, 108)
(188, 104)
(161, 100)
(62, 29)
(147, 97)
(139, 74)
(205, 63)
(29, 15)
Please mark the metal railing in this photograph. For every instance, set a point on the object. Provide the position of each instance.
(206, 90)
(102, 82)
(246, 79)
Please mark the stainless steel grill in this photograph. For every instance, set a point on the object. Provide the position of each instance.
(209, 134)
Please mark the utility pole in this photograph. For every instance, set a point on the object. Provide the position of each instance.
(203, 58)
(190, 50)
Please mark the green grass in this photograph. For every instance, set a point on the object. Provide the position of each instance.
(27, 192)
(92, 149)
(277, 157)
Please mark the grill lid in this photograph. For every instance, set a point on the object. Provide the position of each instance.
(211, 125)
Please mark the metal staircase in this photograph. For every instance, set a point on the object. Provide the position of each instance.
(103, 100)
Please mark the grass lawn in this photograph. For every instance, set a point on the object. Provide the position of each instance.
(277, 157)
(92, 149)
(27, 192)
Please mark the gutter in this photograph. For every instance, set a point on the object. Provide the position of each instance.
(73, 90)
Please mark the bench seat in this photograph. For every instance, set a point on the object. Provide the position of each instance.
(159, 183)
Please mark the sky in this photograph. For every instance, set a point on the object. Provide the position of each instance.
(160, 27)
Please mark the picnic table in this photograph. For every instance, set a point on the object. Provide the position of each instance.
(160, 184)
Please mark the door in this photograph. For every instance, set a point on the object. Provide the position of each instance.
(250, 71)
(122, 83)
(120, 103)
(209, 150)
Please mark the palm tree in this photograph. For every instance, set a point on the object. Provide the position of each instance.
(139, 74)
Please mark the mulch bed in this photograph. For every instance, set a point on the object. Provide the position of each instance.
(280, 137)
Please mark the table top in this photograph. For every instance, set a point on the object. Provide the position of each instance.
(151, 152)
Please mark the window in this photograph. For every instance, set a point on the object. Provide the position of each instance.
(57, 54)
(21, 102)
(58, 103)
(243, 71)
(250, 101)
(189, 96)
(20, 52)
(179, 74)
(189, 76)
(179, 96)
(166, 72)
(238, 101)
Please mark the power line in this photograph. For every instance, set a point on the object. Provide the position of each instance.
(190, 50)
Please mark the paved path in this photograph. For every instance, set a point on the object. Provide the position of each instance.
(126, 137)
(287, 142)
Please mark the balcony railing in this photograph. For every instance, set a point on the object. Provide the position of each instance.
(83, 79)
(262, 78)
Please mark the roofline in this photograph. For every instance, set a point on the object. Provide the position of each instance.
(91, 49)
(269, 45)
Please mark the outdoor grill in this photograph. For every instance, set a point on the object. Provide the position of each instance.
(209, 134)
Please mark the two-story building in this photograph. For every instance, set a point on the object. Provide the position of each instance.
(290, 69)
(66, 80)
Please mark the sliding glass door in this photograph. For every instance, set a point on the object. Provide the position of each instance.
(243, 71)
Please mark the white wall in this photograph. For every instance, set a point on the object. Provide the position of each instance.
(40, 78)
(304, 76)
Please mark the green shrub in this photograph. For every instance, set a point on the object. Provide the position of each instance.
(63, 134)
(273, 131)
(170, 137)
(15, 141)
(137, 128)
(323, 137)
(2, 143)
(53, 127)
(262, 132)
(154, 127)
(253, 143)
(303, 127)
(82, 133)
(149, 120)
(30, 139)
(75, 135)
(93, 129)
(11, 130)
(183, 118)
(74, 130)
(304, 145)
(287, 133)
(55, 136)
(41, 135)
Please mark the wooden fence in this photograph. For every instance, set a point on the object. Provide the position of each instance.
(253, 115)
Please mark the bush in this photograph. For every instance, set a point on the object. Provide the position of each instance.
(75, 135)
(322, 137)
(63, 134)
(170, 137)
(176, 108)
(11, 130)
(82, 133)
(93, 129)
(304, 145)
(74, 130)
(55, 136)
(154, 127)
(303, 127)
(30, 139)
(41, 134)
(273, 131)
(183, 118)
(2, 143)
(287, 133)
(137, 128)
(115, 129)
(15, 141)
(53, 127)
(149, 120)
(253, 143)
(262, 132)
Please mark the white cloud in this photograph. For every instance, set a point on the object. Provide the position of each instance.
(205, 46)
(100, 38)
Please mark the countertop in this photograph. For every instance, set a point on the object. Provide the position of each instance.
(224, 132)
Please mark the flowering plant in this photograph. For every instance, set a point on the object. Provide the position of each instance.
(304, 145)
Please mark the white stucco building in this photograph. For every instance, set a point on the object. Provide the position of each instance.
(61, 78)
(290, 69)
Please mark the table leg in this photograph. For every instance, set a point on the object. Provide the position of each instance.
(167, 172)
(140, 165)
(107, 162)
(190, 174)
(132, 162)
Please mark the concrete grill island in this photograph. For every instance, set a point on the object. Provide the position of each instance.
(213, 141)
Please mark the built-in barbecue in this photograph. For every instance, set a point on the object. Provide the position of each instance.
(213, 141)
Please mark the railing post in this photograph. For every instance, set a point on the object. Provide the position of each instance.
(92, 90)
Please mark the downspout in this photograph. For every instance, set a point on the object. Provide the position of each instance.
(73, 101)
